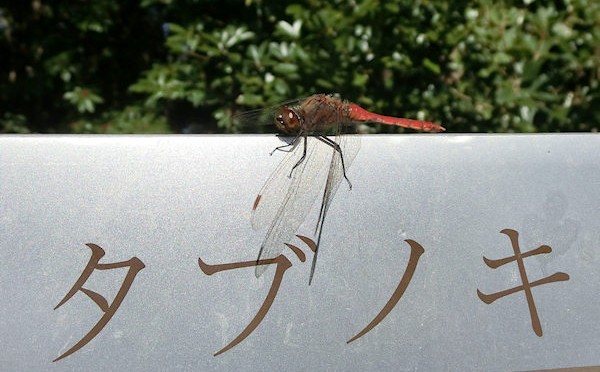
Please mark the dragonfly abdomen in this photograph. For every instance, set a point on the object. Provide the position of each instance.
(355, 112)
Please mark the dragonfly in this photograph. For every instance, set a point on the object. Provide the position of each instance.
(318, 156)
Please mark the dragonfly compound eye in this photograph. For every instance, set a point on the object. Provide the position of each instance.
(287, 121)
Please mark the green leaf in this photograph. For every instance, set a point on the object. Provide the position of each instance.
(430, 65)
(285, 68)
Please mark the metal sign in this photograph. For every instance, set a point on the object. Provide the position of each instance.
(449, 252)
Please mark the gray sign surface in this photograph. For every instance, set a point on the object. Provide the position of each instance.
(509, 226)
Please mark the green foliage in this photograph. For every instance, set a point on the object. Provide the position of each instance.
(529, 68)
(65, 63)
(162, 65)
(84, 99)
(11, 123)
(130, 120)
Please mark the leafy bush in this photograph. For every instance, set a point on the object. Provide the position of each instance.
(478, 66)
(526, 69)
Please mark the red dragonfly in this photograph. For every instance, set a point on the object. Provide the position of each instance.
(290, 192)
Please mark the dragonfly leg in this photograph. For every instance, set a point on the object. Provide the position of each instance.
(318, 231)
(282, 148)
(291, 145)
(301, 158)
(328, 141)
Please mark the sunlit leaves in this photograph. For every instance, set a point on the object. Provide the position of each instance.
(84, 99)
(481, 65)
(292, 31)
(527, 61)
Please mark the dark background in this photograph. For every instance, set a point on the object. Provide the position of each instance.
(186, 66)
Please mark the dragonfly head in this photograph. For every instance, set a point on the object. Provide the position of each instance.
(288, 121)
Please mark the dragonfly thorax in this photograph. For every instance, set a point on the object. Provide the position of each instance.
(288, 121)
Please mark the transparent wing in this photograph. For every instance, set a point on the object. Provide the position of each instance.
(262, 118)
(295, 197)
(271, 195)
(349, 146)
(295, 201)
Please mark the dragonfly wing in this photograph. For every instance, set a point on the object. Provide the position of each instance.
(304, 188)
(339, 161)
(273, 192)
(349, 146)
(263, 117)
